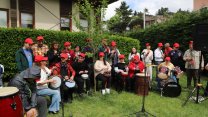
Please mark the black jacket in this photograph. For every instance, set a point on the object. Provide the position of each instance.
(53, 58)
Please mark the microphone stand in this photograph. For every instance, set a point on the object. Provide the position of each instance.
(62, 96)
(143, 111)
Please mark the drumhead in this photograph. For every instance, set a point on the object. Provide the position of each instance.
(7, 91)
(84, 76)
(70, 84)
(58, 82)
(141, 75)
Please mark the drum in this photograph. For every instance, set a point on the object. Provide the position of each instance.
(84, 76)
(178, 72)
(70, 84)
(124, 74)
(141, 84)
(10, 103)
(171, 88)
(57, 84)
(163, 73)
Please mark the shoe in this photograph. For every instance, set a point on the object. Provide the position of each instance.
(107, 91)
(52, 112)
(103, 91)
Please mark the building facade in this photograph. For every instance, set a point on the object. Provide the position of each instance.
(41, 14)
(198, 4)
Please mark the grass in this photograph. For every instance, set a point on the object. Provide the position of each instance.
(125, 104)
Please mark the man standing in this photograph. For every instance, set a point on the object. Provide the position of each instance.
(192, 58)
(67, 50)
(24, 56)
(167, 49)
(147, 57)
(25, 81)
(176, 57)
(104, 48)
(159, 56)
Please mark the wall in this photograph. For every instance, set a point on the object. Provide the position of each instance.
(198, 4)
(43, 18)
(5, 4)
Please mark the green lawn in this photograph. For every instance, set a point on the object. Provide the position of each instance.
(124, 104)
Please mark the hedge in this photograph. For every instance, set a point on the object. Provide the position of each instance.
(179, 28)
(11, 39)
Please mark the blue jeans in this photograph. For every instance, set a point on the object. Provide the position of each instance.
(56, 98)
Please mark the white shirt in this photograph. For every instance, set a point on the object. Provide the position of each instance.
(132, 56)
(44, 74)
(158, 55)
(147, 58)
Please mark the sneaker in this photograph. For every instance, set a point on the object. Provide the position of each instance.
(52, 112)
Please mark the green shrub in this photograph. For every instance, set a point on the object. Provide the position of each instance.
(12, 39)
(179, 28)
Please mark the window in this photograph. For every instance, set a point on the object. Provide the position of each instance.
(4, 18)
(26, 20)
(84, 24)
(65, 23)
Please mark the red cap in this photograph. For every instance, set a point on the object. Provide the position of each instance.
(147, 44)
(113, 43)
(159, 45)
(167, 58)
(67, 43)
(40, 58)
(64, 55)
(101, 54)
(191, 42)
(136, 57)
(121, 56)
(82, 55)
(40, 38)
(176, 45)
(29, 41)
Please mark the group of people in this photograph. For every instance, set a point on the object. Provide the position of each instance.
(37, 64)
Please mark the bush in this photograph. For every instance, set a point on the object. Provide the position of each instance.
(12, 39)
(179, 28)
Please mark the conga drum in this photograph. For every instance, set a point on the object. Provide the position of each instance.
(10, 103)
(141, 84)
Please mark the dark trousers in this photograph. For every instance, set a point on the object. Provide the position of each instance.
(80, 83)
(192, 73)
(206, 90)
(119, 82)
(130, 84)
(67, 93)
(41, 106)
(106, 81)
(157, 71)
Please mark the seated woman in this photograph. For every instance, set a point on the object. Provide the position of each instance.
(102, 72)
(135, 66)
(67, 73)
(42, 84)
(165, 71)
(81, 68)
(121, 73)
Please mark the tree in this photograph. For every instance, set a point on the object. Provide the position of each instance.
(164, 11)
(121, 20)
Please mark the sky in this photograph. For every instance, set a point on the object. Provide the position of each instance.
(151, 5)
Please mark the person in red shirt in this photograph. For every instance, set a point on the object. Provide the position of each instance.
(167, 49)
(135, 66)
(69, 52)
(65, 71)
